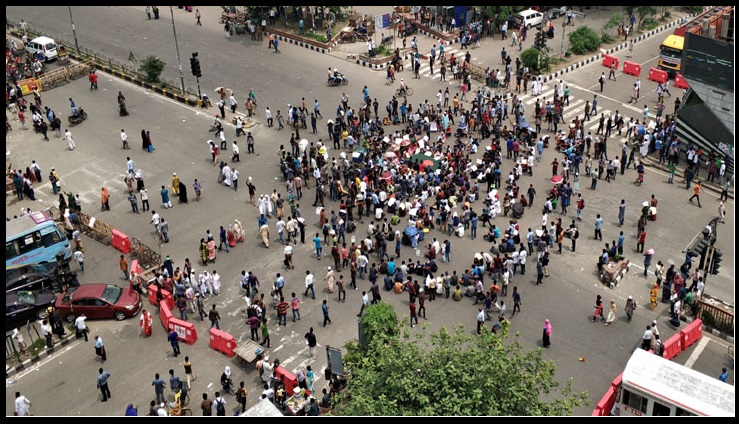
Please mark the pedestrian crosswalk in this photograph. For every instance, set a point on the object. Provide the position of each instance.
(575, 108)
(425, 70)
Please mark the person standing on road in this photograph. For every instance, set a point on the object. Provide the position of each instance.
(310, 337)
(100, 348)
(602, 80)
(516, 301)
(324, 309)
(598, 225)
(621, 212)
(547, 333)
(214, 318)
(102, 383)
(174, 341)
(159, 386)
(365, 301)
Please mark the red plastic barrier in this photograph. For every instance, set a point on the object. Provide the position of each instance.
(120, 241)
(136, 267)
(605, 404)
(165, 314)
(680, 82)
(691, 334)
(616, 383)
(632, 68)
(608, 60)
(222, 342)
(185, 330)
(167, 296)
(657, 75)
(672, 346)
(287, 377)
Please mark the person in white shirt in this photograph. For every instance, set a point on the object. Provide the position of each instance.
(79, 324)
(124, 139)
(79, 257)
(365, 302)
(216, 282)
(22, 405)
(309, 281)
(155, 219)
(280, 225)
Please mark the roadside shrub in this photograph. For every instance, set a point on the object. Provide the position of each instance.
(584, 40)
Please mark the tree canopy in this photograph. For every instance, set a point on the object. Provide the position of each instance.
(449, 372)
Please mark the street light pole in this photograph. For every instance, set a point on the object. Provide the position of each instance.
(562, 45)
(177, 46)
(74, 31)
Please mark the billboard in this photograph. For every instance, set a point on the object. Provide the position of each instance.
(708, 61)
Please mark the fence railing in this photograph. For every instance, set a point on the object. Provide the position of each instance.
(716, 316)
(103, 232)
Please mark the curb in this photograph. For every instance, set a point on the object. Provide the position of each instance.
(41, 355)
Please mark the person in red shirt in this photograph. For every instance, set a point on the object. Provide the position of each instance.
(93, 77)
(282, 311)
(642, 240)
(412, 306)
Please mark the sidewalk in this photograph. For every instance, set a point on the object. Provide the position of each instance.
(714, 187)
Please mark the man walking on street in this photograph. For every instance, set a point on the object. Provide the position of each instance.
(696, 193)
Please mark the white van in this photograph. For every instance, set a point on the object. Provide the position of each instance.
(43, 45)
(530, 18)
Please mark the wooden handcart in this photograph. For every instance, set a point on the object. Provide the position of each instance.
(247, 351)
(612, 273)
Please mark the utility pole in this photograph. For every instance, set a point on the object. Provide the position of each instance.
(177, 46)
(74, 31)
(562, 45)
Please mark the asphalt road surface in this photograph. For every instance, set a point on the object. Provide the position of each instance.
(179, 134)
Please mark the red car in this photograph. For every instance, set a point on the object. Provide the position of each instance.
(98, 301)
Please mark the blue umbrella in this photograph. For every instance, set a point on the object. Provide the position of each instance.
(411, 231)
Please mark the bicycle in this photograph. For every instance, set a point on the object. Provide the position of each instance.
(404, 92)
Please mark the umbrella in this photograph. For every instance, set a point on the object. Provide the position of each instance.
(645, 203)
(411, 231)
(303, 144)
(426, 163)
(405, 142)
(390, 155)
(330, 121)
(557, 179)
(386, 175)
(650, 252)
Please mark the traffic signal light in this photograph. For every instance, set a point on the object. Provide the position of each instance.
(543, 41)
(716, 262)
(195, 65)
(699, 250)
(537, 40)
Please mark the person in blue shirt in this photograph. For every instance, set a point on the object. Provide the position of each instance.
(262, 220)
(724, 374)
(473, 226)
(598, 225)
(319, 247)
(391, 267)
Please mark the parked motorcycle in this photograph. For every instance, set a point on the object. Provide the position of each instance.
(76, 119)
(341, 80)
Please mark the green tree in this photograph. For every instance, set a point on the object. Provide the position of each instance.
(378, 319)
(613, 22)
(451, 373)
(152, 67)
(645, 12)
(535, 59)
(584, 40)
